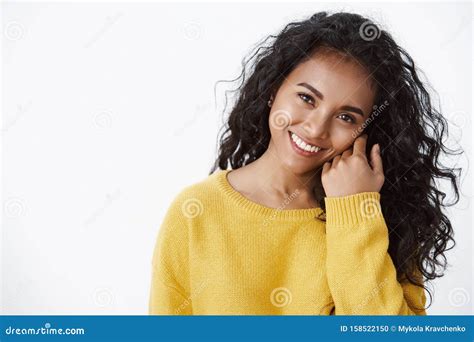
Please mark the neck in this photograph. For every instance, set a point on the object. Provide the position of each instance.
(279, 180)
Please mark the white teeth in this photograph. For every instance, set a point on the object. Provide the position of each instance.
(301, 144)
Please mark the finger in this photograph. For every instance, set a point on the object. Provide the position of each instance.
(326, 167)
(376, 159)
(360, 144)
(335, 161)
(347, 153)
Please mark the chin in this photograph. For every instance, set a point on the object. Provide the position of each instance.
(299, 168)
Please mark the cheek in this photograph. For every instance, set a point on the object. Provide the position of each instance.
(279, 120)
(284, 115)
(342, 139)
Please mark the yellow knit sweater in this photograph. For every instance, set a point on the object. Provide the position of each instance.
(218, 253)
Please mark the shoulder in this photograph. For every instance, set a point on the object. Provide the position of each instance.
(194, 200)
(187, 211)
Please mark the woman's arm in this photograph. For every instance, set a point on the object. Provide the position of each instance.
(361, 275)
(170, 290)
(167, 299)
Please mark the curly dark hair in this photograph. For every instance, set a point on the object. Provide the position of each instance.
(409, 130)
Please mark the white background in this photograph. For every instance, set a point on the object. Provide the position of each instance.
(109, 111)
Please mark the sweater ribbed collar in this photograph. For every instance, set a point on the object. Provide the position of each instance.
(259, 209)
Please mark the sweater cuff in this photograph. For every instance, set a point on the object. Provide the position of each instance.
(353, 209)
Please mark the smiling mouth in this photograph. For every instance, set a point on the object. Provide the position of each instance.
(302, 147)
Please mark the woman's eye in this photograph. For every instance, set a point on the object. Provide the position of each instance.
(347, 118)
(306, 98)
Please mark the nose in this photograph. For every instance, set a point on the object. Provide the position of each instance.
(316, 125)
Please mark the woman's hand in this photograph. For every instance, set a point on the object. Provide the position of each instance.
(350, 173)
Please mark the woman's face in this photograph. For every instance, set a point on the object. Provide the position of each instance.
(322, 104)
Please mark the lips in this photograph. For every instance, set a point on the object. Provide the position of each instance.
(301, 147)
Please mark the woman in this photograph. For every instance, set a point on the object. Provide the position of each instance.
(330, 205)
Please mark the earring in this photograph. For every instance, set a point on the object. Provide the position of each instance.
(270, 102)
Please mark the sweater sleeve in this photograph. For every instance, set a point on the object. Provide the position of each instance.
(170, 290)
(361, 274)
(166, 299)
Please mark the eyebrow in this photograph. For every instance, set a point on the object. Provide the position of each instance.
(321, 96)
